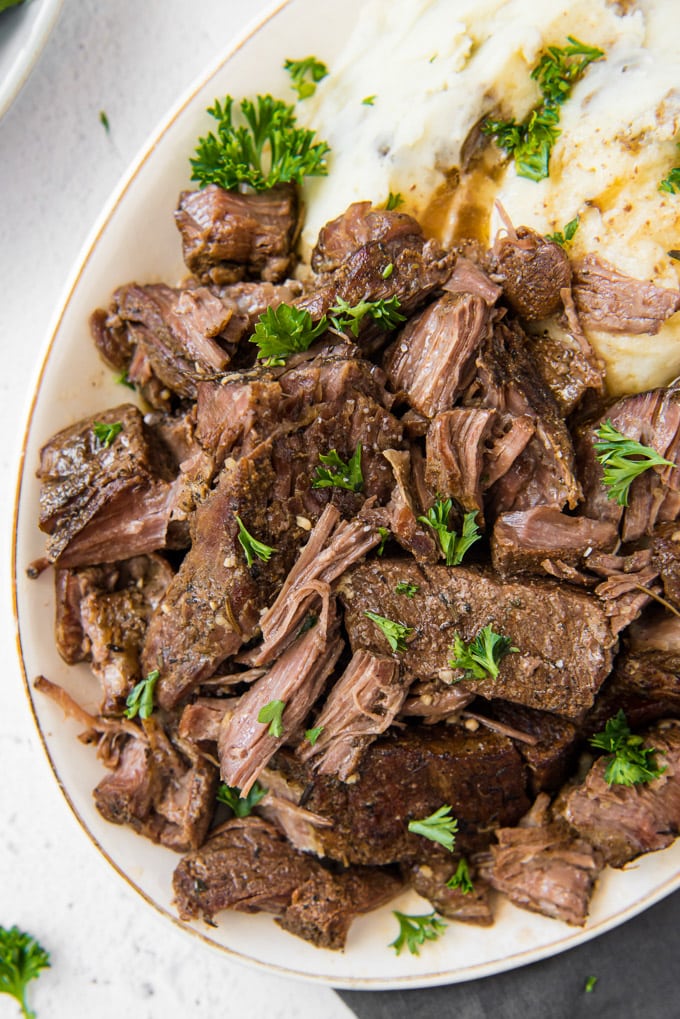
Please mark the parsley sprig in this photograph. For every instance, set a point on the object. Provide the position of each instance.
(140, 700)
(623, 460)
(438, 827)
(21, 960)
(267, 148)
(312, 735)
(394, 200)
(453, 545)
(531, 141)
(405, 587)
(396, 633)
(305, 75)
(242, 806)
(414, 931)
(481, 657)
(285, 330)
(562, 237)
(461, 878)
(386, 313)
(251, 546)
(631, 763)
(335, 473)
(273, 713)
(105, 433)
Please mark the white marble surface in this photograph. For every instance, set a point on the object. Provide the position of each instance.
(112, 955)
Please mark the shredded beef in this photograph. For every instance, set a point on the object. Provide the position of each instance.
(609, 300)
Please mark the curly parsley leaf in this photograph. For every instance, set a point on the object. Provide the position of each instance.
(590, 985)
(267, 148)
(385, 535)
(396, 633)
(386, 313)
(404, 587)
(438, 827)
(335, 473)
(251, 546)
(453, 545)
(414, 931)
(305, 75)
(461, 878)
(531, 142)
(21, 960)
(369, 100)
(630, 763)
(394, 200)
(242, 806)
(312, 735)
(285, 330)
(140, 700)
(273, 713)
(481, 657)
(105, 433)
(562, 237)
(623, 460)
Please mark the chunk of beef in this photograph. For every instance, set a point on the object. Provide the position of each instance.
(363, 703)
(162, 787)
(532, 271)
(457, 455)
(432, 359)
(563, 636)
(248, 866)
(566, 362)
(652, 418)
(101, 616)
(245, 744)
(623, 822)
(552, 749)
(404, 508)
(607, 299)
(522, 541)
(469, 278)
(212, 606)
(430, 881)
(407, 775)
(666, 560)
(436, 701)
(340, 238)
(543, 868)
(229, 236)
(508, 382)
(102, 500)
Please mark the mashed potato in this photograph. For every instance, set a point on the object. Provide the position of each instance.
(432, 69)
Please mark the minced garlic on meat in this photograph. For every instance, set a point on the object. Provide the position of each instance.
(436, 67)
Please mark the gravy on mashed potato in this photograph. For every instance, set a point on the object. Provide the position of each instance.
(433, 69)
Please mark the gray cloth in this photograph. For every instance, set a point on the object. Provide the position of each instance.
(636, 966)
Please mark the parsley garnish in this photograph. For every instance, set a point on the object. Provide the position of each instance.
(563, 237)
(305, 75)
(242, 806)
(369, 101)
(438, 827)
(631, 762)
(404, 587)
(590, 984)
(674, 253)
(671, 182)
(312, 735)
(268, 149)
(123, 380)
(387, 271)
(416, 930)
(396, 633)
(140, 699)
(394, 201)
(272, 713)
(623, 460)
(346, 475)
(283, 331)
(531, 142)
(461, 878)
(105, 434)
(482, 656)
(386, 313)
(21, 960)
(251, 546)
(385, 535)
(453, 545)
(4, 6)
(104, 121)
